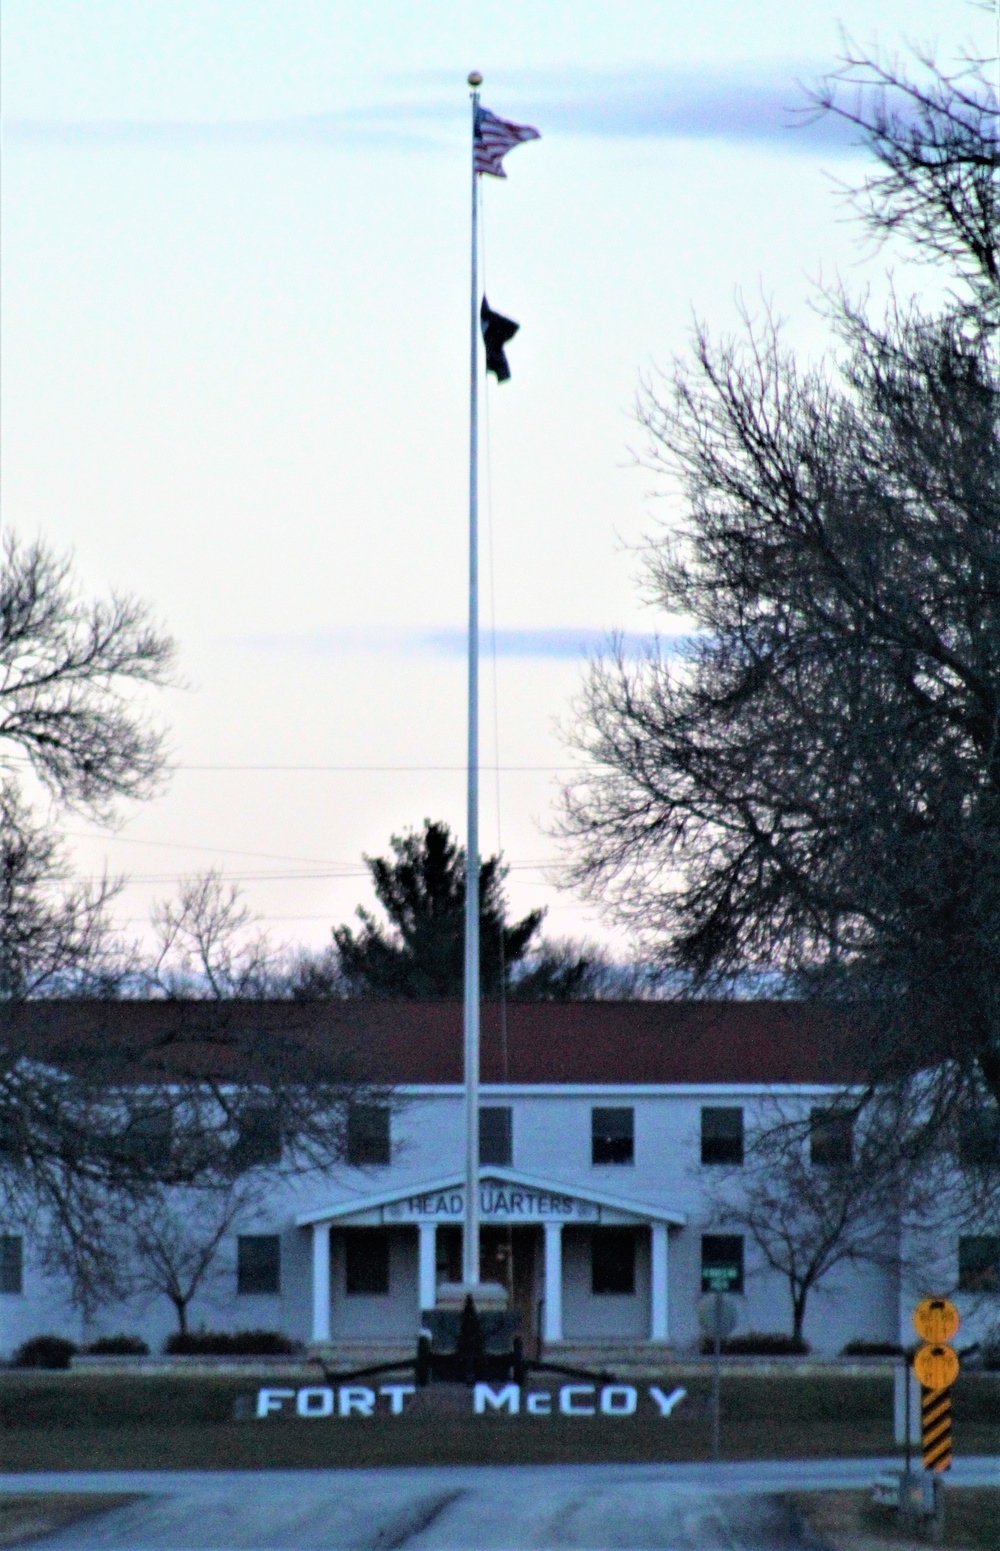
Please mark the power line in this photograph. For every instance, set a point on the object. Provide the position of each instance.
(385, 769)
(346, 876)
(185, 845)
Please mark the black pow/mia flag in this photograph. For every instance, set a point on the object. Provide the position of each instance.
(497, 332)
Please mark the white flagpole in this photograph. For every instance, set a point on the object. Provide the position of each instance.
(470, 1237)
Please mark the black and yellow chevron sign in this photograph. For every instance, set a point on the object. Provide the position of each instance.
(935, 1429)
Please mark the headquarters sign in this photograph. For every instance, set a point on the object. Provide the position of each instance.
(497, 1204)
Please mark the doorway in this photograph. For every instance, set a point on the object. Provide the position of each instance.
(509, 1256)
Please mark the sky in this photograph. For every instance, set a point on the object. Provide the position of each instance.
(235, 377)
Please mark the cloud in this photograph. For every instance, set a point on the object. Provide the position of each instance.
(556, 643)
(348, 130)
(758, 103)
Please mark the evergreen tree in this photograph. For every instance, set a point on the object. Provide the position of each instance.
(420, 953)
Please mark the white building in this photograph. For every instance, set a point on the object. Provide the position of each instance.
(603, 1129)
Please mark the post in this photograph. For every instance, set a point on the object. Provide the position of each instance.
(716, 1374)
(470, 1237)
(552, 1327)
(906, 1485)
(427, 1264)
(658, 1284)
(321, 1281)
(906, 1414)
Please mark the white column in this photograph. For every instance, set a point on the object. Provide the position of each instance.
(659, 1303)
(321, 1281)
(427, 1260)
(552, 1327)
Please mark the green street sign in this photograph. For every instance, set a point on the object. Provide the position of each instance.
(719, 1278)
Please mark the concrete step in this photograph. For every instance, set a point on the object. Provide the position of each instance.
(345, 1355)
(622, 1358)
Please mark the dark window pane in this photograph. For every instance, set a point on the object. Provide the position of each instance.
(367, 1135)
(979, 1138)
(495, 1135)
(147, 1140)
(722, 1262)
(979, 1263)
(722, 1135)
(612, 1135)
(258, 1263)
(11, 1263)
(259, 1139)
(367, 1260)
(612, 1261)
(11, 1135)
(831, 1140)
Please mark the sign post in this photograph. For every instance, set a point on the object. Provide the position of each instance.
(717, 1316)
(936, 1367)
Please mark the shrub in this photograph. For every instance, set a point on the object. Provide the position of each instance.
(45, 1352)
(872, 1349)
(239, 1343)
(118, 1346)
(759, 1343)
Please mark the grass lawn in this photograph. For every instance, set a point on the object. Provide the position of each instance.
(84, 1421)
(850, 1521)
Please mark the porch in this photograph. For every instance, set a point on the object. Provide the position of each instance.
(591, 1272)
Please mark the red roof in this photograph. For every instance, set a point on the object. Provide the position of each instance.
(421, 1042)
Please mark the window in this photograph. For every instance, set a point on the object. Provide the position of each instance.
(366, 1261)
(495, 1135)
(11, 1263)
(612, 1135)
(722, 1135)
(612, 1261)
(11, 1135)
(367, 1135)
(830, 1138)
(979, 1138)
(722, 1262)
(147, 1140)
(259, 1138)
(979, 1263)
(258, 1264)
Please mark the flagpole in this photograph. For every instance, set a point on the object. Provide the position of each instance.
(470, 1238)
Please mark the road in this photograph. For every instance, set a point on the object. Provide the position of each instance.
(728, 1507)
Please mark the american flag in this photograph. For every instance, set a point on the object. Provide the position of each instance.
(493, 138)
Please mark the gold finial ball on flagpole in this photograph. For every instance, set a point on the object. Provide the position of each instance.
(475, 79)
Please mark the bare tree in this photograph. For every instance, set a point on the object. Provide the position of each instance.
(208, 945)
(67, 672)
(69, 717)
(56, 937)
(811, 789)
(813, 1193)
(935, 136)
(175, 1238)
(92, 1091)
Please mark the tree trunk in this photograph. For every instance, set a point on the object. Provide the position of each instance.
(180, 1307)
(799, 1312)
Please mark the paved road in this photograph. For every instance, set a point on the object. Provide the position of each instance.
(731, 1507)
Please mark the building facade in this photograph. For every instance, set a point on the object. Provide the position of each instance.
(605, 1131)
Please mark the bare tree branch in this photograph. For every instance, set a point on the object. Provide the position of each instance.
(67, 673)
